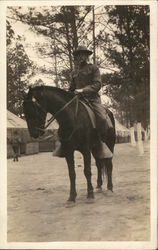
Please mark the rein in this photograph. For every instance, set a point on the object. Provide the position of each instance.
(58, 112)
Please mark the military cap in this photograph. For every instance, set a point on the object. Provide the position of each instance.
(82, 49)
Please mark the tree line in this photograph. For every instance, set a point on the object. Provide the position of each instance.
(118, 36)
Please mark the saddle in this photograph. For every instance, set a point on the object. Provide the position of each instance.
(100, 150)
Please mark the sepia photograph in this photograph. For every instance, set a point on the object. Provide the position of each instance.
(79, 125)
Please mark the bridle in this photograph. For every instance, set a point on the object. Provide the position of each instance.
(53, 117)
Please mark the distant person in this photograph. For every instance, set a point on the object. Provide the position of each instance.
(15, 142)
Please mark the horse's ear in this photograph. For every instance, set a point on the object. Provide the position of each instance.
(24, 94)
(29, 92)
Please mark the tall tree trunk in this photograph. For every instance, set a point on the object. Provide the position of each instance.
(68, 40)
(74, 29)
(128, 30)
(94, 55)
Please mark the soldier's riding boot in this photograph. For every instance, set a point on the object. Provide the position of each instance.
(58, 150)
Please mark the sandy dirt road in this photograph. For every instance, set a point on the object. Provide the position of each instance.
(38, 187)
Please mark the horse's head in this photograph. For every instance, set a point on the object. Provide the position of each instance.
(35, 112)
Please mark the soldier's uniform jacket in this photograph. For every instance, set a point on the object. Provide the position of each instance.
(87, 77)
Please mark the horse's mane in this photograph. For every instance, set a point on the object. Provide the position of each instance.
(65, 94)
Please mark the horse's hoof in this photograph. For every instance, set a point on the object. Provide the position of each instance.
(109, 193)
(90, 200)
(70, 204)
(90, 196)
(99, 189)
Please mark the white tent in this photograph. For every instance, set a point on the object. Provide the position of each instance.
(120, 127)
(13, 121)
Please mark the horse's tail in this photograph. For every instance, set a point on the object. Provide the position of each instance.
(111, 138)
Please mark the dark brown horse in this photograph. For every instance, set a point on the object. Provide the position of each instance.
(75, 131)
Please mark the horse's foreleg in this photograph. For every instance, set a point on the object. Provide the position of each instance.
(72, 176)
(87, 172)
(109, 167)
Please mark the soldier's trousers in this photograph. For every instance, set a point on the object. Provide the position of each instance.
(104, 123)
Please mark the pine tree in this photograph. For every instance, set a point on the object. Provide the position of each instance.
(18, 65)
(129, 52)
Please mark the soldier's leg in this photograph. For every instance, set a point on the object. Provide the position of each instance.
(101, 115)
(16, 152)
(104, 123)
(14, 155)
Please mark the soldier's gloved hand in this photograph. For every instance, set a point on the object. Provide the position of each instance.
(78, 91)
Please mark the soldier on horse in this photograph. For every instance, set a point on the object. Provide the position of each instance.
(76, 129)
(86, 82)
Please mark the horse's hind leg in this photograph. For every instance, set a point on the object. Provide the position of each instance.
(99, 177)
(72, 175)
(109, 167)
(87, 172)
